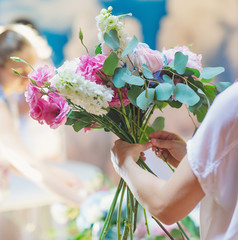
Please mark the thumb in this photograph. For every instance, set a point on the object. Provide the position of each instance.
(145, 146)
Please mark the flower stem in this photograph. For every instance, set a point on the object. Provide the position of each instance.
(119, 213)
(146, 223)
(111, 210)
(164, 229)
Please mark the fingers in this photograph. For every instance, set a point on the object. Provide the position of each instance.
(161, 134)
(168, 144)
(145, 146)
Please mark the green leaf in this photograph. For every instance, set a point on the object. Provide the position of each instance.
(211, 72)
(98, 49)
(164, 91)
(185, 94)
(191, 227)
(131, 45)
(200, 113)
(180, 62)
(142, 101)
(160, 104)
(221, 86)
(134, 80)
(158, 123)
(176, 233)
(147, 73)
(175, 104)
(133, 93)
(192, 71)
(110, 64)
(80, 124)
(112, 39)
(203, 80)
(119, 76)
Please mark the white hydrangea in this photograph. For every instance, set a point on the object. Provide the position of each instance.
(92, 97)
(106, 22)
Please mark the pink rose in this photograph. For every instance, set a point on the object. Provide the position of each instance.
(56, 111)
(194, 60)
(37, 110)
(144, 55)
(115, 102)
(42, 74)
(32, 94)
(89, 67)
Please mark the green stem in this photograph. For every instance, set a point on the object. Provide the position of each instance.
(135, 216)
(119, 212)
(180, 227)
(146, 123)
(111, 210)
(146, 223)
(164, 229)
(165, 160)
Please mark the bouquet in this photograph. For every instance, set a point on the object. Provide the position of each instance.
(118, 90)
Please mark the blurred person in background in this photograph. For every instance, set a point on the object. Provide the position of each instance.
(13, 152)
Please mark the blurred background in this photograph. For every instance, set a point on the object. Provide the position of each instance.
(211, 27)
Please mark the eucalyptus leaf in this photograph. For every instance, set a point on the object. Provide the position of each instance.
(142, 101)
(131, 45)
(112, 39)
(110, 64)
(119, 76)
(134, 80)
(147, 72)
(221, 86)
(167, 79)
(133, 93)
(158, 123)
(180, 62)
(211, 72)
(185, 94)
(164, 91)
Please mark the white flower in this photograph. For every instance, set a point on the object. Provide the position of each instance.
(92, 97)
(105, 23)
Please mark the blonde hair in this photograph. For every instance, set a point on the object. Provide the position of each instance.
(15, 37)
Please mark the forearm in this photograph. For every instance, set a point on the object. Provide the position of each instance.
(169, 201)
(147, 188)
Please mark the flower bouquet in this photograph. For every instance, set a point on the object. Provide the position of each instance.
(118, 90)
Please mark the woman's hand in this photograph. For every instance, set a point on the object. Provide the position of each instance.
(170, 145)
(123, 152)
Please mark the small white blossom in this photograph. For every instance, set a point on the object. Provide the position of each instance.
(89, 95)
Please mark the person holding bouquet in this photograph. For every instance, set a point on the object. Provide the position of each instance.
(208, 173)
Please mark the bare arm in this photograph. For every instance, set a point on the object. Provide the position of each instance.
(13, 150)
(169, 201)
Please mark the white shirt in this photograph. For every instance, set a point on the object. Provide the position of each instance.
(213, 157)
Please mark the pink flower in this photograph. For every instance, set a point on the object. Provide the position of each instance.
(144, 55)
(116, 100)
(89, 67)
(194, 60)
(42, 74)
(32, 94)
(37, 110)
(56, 111)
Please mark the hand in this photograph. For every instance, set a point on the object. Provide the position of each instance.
(123, 152)
(170, 145)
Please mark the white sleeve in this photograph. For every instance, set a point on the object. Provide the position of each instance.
(216, 136)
